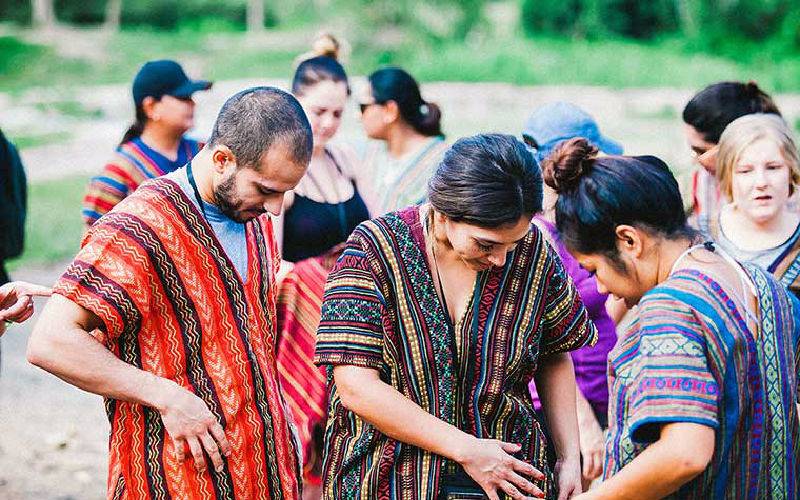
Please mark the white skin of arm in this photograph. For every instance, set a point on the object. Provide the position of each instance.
(555, 383)
(487, 461)
(61, 344)
(591, 439)
(682, 452)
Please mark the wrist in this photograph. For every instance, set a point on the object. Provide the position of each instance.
(461, 451)
(569, 458)
(162, 393)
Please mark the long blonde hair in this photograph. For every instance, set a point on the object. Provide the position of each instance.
(741, 133)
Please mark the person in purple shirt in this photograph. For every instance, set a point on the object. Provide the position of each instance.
(545, 128)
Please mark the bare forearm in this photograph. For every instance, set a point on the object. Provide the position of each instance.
(400, 418)
(70, 353)
(555, 381)
(681, 453)
(584, 409)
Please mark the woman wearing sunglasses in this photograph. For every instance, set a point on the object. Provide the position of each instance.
(155, 144)
(394, 112)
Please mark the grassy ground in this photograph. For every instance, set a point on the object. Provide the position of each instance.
(514, 59)
(54, 224)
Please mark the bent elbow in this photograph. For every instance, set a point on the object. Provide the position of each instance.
(692, 463)
(39, 349)
(348, 395)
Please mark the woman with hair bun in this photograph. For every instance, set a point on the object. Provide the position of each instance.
(435, 319)
(705, 117)
(704, 383)
(319, 215)
(393, 111)
(758, 171)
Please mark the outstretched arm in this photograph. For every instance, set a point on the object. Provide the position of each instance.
(682, 452)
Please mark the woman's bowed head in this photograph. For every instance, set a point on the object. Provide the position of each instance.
(613, 211)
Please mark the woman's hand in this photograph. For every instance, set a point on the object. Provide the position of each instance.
(568, 473)
(592, 442)
(16, 301)
(490, 464)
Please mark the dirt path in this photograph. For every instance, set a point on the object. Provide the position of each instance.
(91, 120)
(53, 437)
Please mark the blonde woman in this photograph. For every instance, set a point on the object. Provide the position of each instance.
(758, 170)
(318, 216)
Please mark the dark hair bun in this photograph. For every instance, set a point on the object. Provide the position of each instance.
(430, 119)
(569, 161)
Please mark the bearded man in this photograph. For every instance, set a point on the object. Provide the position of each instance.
(168, 311)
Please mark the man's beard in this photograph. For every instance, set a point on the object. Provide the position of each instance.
(225, 199)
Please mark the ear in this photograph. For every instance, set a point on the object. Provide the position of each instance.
(222, 157)
(629, 241)
(392, 112)
(149, 105)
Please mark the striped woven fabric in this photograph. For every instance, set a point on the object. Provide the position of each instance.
(303, 383)
(381, 311)
(690, 357)
(408, 179)
(133, 163)
(172, 304)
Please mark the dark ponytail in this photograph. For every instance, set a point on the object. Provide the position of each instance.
(137, 128)
(394, 84)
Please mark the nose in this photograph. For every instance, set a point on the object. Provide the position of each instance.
(497, 258)
(328, 120)
(761, 177)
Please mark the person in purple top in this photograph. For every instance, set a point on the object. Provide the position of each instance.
(544, 129)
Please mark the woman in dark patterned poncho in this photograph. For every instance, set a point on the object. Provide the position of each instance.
(435, 319)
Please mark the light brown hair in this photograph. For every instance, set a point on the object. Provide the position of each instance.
(743, 133)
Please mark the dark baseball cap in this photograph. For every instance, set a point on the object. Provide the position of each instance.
(164, 77)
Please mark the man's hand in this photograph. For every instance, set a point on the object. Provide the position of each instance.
(489, 463)
(188, 421)
(16, 301)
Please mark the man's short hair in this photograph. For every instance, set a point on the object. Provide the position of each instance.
(251, 121)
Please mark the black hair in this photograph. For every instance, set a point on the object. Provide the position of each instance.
(714, 107)
(136, 129)
(487, 180)
(394, 84)
(318, 69)
(595, 195)
(251, 121)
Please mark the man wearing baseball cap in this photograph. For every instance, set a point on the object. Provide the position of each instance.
(155, 144)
